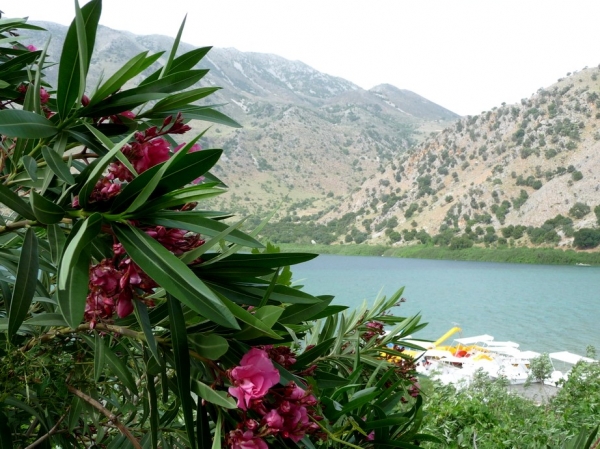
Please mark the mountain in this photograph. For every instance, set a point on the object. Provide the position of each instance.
(532, 165)
(308, 139)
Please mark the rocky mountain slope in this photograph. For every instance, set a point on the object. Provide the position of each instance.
(516, 165)
(308, 139)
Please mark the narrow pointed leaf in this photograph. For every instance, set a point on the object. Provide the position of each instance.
(202, 427)
(99, 167)
(251, 320)
(173, 275)
(70, 82)
(267, 315)
(46, 319)
(296, 313)
(196, 222)
(180, 172)
(204, 113)
(132, 68)
(56, 241)
(25, 282)
(181, 354)
(186, 195)
(99, 358)
(25, 124)
(149, 188)
(30, 166)
(184, 62)
(174, 48)
(57, 165)
(73, 272)
(154, 412)
(14, 202)
(210, 346)
(219, 398)
(46, 211)
(183, 98)
(141, 313)
(118, 367)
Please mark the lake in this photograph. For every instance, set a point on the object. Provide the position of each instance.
(543, 308)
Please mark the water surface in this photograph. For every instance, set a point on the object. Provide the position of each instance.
(542, 307)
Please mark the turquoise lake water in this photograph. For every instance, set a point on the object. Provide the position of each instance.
(543, 308)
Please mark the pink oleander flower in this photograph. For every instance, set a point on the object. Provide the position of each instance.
(31, 48)
(44, 96)
(178, 241)
(238, 439)
(253, 377)
(281, 354)
(375, 329)
(150, 154)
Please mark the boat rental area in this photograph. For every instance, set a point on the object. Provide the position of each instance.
(457, 363)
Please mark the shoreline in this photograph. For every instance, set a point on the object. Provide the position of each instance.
(533, 256)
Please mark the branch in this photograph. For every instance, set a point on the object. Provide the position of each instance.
(112, 418)
(49, 434)
(17, 225)
(84, 328)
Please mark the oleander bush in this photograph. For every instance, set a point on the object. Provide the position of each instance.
(130, 316)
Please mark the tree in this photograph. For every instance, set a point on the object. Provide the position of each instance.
(129, 316)
(579, 210)
(586, 238)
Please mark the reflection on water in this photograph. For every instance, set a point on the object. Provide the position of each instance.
(544, 308)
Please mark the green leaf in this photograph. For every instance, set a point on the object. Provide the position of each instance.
(181, 354)
(252, 321)
(141, 313)
(196, 222)
(25, 124)
(154, 411)
(57, 165)
(75, 413)
(209, 346)
(151, 185)
(182, 63)
(182, 169)
(217, 436)
(182, 196)
(73, 272)
(5, 433)
(173, 275)
(46, 211)
(99, 356)
(131, 98)
(14, 202)
(46, 319)
(176, 101)
(71, 80)
(192, 112)
(219, 398)
(25, 282)
(173, 51)
(202, 426)
(30, 166)
(268, 315)
(99, 167)
(130, 69)
(297, 313)
(56, 241)
(120, 369)
(307, 357)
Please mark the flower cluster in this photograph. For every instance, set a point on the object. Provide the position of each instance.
(376, 329)
(287, 411)
(114, 284)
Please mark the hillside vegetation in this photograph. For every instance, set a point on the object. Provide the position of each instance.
(519, 175)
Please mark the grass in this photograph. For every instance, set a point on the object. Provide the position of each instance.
(540, 256)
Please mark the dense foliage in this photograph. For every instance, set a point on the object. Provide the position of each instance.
(129, 317)
(487, 415)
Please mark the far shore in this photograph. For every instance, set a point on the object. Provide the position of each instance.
(539, 256)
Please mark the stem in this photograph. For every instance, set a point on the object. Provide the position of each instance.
(17, 225)
(336, 439)
(49, 434)
(84, 328)
(113, 418)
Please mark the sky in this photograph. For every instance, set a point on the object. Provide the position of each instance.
(465, 55)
